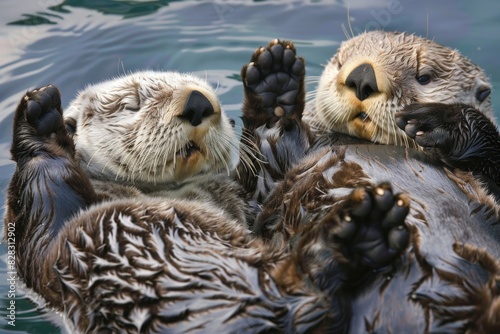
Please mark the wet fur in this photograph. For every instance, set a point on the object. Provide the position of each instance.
(305, 276)
(454, 223)
(458, 135)
(398, 60)
(135, 265)
(154, 264)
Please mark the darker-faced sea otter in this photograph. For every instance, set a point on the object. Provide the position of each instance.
(460, 152)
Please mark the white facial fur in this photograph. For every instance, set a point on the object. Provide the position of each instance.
(130, 129)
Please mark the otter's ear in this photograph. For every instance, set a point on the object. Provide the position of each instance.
(482, 89)
(70, 124)
(482, 93)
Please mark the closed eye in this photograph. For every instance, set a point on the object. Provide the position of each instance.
(131, 103)
(132, 108)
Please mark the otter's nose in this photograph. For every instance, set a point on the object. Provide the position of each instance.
(362, 79)
(196, 108)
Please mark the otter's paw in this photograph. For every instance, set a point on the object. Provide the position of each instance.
(431, 124)
(457, 134)
(42, 110)
(372, 231)
(274, 84)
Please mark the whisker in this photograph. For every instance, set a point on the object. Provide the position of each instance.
(144, 157)
(349, 19)
(380, 125)
(112, 157)
(250, 155)
(313, 78)
(98, 151)
(344, 30)
(156, 162)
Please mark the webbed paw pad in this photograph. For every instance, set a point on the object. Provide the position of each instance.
(43, 109)
(276, 76)
(372, 229)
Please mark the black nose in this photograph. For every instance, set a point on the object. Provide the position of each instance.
(196, 108)
(362, 79)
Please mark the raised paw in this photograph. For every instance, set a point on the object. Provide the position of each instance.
(38, 124)
(371, 229)
(43, 110)
(274, 83)
(456, 134)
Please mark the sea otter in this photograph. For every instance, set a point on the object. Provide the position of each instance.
(376, 74)
(345, 242)
(161, 134)
(450, 211)
(156, 264)
(379, 81)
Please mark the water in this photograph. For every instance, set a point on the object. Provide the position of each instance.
(73, 43)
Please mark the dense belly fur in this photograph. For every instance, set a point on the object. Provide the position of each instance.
(353, 238)
(441, 281)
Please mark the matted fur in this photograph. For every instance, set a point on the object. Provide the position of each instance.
(148, 264)
(453, 223)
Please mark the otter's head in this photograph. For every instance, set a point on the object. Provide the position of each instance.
(376, 74)
(151, 128)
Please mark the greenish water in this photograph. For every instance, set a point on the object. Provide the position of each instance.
(73, 43)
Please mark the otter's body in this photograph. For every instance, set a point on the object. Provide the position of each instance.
(357, 238)
(157, 134)
(448, 275)
(431, 287)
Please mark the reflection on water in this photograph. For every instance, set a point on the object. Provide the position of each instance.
(126, 9)
(74, 43)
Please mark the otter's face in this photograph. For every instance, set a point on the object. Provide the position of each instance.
(151, 128)
(376, 74)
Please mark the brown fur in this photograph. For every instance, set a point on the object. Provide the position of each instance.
(434, 285)
(398, 59)
(136, 265)
(158, 264)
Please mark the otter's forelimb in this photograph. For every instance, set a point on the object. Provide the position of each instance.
(48, 186)
(272, 112)
(458, 135)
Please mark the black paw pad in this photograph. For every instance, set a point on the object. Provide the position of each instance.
(372, 227)
(276, 76)
(430, 124)
(43, 110)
